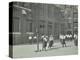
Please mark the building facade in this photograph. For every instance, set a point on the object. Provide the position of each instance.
(32, 18)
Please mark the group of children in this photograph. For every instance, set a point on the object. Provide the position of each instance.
(63, 39)
(46, 40)
(68, 37)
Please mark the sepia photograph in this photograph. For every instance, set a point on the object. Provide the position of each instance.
(42, 29)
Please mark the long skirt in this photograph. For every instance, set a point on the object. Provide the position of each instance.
(63, 42)
(44, 44)
(50, 43)
(76, 42)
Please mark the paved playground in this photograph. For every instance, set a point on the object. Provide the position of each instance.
(20, 51)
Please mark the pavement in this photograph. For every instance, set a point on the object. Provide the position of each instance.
(26, 51)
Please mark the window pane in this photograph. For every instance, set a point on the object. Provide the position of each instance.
(28, 26)
(15, 24)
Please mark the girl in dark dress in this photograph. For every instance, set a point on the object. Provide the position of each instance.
(50, 41)
(44, 43)
(63, 41)
(75, 40)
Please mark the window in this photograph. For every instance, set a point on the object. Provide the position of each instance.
(75, 24)
(28, 26)
(69, 25)
(49, 11)
(75, 14)
(41, 26)
(75, 20)
(15, 24)
(56, 30)
(62, 28)
(49, 28)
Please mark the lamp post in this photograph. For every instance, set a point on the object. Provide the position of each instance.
(37, 41)
(73, 20)
(37, 29)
